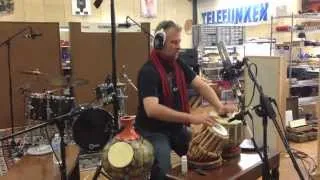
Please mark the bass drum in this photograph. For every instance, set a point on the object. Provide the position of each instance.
(92, 129)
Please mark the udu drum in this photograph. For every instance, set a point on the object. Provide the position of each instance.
(37, 104)
(206, 146)
(92, 128)
(128, 155)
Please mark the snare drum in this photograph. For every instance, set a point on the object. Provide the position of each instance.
(207, 145)
(92, 129)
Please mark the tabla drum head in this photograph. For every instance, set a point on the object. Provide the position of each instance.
(92, 129)
(120, 154)
(219, 129)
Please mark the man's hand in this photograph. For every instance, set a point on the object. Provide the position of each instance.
(227, 108)
(201, 119)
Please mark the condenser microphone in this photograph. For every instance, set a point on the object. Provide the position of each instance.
(32, 35)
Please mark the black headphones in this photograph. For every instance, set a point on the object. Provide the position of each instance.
(159, 39)
(160, 34)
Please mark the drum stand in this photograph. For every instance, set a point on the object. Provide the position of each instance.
(265, 110)
(59, 121)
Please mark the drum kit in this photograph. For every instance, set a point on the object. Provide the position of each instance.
(91, 128)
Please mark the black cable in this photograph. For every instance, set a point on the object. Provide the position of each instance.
(54, 153)
(254, 85)
(281, 119)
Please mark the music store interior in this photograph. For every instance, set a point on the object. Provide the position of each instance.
(76, 103)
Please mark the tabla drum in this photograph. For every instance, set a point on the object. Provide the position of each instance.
(206, 147)
(92, 129)
(128, 155)
(236, 132)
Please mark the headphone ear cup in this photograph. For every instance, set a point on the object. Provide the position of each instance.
(159, 40)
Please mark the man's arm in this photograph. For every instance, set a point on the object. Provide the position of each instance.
(155, 110)
(210, 95)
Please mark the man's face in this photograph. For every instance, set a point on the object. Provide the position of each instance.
(172, 44)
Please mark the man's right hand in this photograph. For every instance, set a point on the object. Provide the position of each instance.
(201, 119)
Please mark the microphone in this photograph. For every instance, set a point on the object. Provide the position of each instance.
(32, 35)
(229, 72)
(97, 3)
(124, 25)
(136, 23)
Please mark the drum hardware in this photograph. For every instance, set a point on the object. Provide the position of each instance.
(35, 72)
(59, 121)
(105, 93)
(126, 77)
(64, 82)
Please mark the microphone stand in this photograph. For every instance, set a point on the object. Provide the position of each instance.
(114, 81)
(59, 121)
(265, 110)
(8, 44)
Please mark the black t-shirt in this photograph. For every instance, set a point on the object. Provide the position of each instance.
(149, 84)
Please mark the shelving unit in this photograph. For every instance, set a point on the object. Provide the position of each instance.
(298, 42)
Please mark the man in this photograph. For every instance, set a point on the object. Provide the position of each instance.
(163, 111)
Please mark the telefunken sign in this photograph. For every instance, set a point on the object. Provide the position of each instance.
(252, 14)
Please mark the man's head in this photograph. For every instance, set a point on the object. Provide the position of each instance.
(167, 39)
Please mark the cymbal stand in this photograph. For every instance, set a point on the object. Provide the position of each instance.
(126, 77)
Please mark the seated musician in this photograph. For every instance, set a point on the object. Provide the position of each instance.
(163, 111)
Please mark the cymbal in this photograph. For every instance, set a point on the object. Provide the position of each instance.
(62, 82)
(35, 72)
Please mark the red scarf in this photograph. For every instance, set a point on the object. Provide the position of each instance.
(180, 81)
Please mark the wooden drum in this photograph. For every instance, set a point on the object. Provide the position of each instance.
(236, 135)
(206, 146)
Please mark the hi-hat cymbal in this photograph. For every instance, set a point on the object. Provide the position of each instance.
(63, 82)
(35, 72)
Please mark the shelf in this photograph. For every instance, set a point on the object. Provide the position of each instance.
(303, 83)
(308, 100)
(299, 16)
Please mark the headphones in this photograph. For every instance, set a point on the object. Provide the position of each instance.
(159, 39)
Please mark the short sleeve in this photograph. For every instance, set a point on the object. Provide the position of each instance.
(188, 72)
(148, 82)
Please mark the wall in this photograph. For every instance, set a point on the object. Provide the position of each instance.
(60, 11)
(261, 30)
